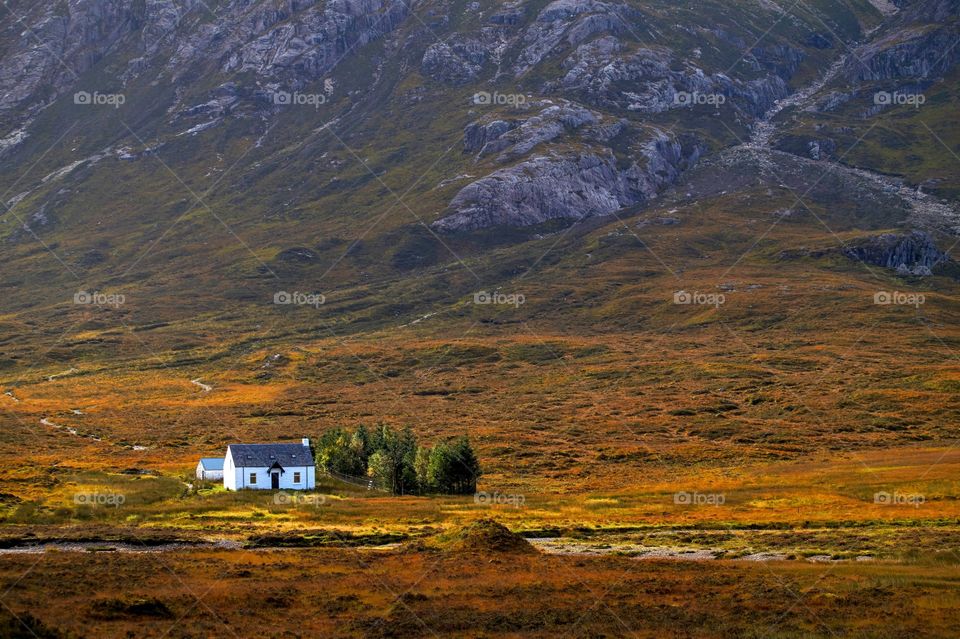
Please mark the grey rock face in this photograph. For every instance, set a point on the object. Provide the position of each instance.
(456, 61)
(223, 98)
(907, 54)
(550, 159)
(518, 137)
(296, 41)
(306, 42)
(919, 43)
(540, 189)
(567, 185)
(910, 254)
(161, 19)
(779, 59)
(599, 71)
(509, 14)
(55, 47)
(571, 22)
(476, 135)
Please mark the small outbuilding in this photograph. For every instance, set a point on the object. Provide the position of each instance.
(210, 468)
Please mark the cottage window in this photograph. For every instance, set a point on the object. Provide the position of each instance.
(253, 478)
(296, 478)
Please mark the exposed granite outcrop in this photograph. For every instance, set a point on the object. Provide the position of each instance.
(910, 54)
(913, 253)
(599, 71)
(919, 43)
(307, 42)
(568, 185)
(455, 61)
(297, 41)
(571, 22)
(514, 138)
(57, 46)
(477, 135)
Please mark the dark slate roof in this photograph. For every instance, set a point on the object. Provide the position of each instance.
(264, 455)
(212, 463)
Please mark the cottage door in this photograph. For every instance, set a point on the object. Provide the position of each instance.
(275, 480)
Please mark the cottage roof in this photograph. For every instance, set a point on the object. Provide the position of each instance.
(266, 455)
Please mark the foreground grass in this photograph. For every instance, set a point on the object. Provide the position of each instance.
(351, 593)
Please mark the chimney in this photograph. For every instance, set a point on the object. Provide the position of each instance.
(306, 442)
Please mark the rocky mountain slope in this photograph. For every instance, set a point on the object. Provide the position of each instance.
(189, 153)
(902, 80)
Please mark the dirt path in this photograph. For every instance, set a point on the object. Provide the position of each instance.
(69, 429)
(72, 431)
(69, 371)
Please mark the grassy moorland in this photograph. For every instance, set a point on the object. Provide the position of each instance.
(811, 429)
(442, 594)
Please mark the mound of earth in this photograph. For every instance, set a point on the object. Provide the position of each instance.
(487, 535)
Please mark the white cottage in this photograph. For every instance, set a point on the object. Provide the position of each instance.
(210, 468)
(269, 467)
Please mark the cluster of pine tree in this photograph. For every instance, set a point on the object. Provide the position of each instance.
(396, 462)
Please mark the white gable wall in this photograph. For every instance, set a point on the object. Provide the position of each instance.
(231, 475)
